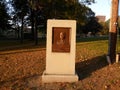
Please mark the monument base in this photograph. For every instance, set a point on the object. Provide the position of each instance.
(48, 78)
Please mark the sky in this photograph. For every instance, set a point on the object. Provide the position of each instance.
(102, 7)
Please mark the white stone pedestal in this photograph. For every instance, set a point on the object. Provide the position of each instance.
(48, 78)
(60, 66)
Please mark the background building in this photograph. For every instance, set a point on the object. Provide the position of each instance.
(101, 18)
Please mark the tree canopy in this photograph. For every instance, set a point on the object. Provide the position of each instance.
(4, 17)
(93, 26)
(36, 12)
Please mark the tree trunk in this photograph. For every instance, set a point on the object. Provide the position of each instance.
(22, 31)
(32, 24)
(18, 33)
(36, 32)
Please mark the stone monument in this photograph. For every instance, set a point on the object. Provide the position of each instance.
(60, 51)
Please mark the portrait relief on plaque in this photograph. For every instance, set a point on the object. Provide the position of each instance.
(60, 39)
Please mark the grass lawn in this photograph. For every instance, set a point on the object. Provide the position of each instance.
(92, 47)
(21, 66)
(15, 45)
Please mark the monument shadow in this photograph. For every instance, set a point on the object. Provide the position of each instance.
(85, 68)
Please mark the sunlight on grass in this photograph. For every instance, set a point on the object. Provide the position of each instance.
(88, 50)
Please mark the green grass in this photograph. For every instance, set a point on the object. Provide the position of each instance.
(89, 39)
(92, 49)
(86, 47)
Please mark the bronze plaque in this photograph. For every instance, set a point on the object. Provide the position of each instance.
(60, 39)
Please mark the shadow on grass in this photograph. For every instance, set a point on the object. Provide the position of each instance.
(11, 47)
(21, 50)
(15, 44)
(90, 39)
(85, 68)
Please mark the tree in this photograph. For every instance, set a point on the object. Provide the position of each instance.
(89, 2)
(105, 29)
(4, 17)
(21, 10)
(58, 9)
(92, 26)
(36, 9)
(49, 9)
